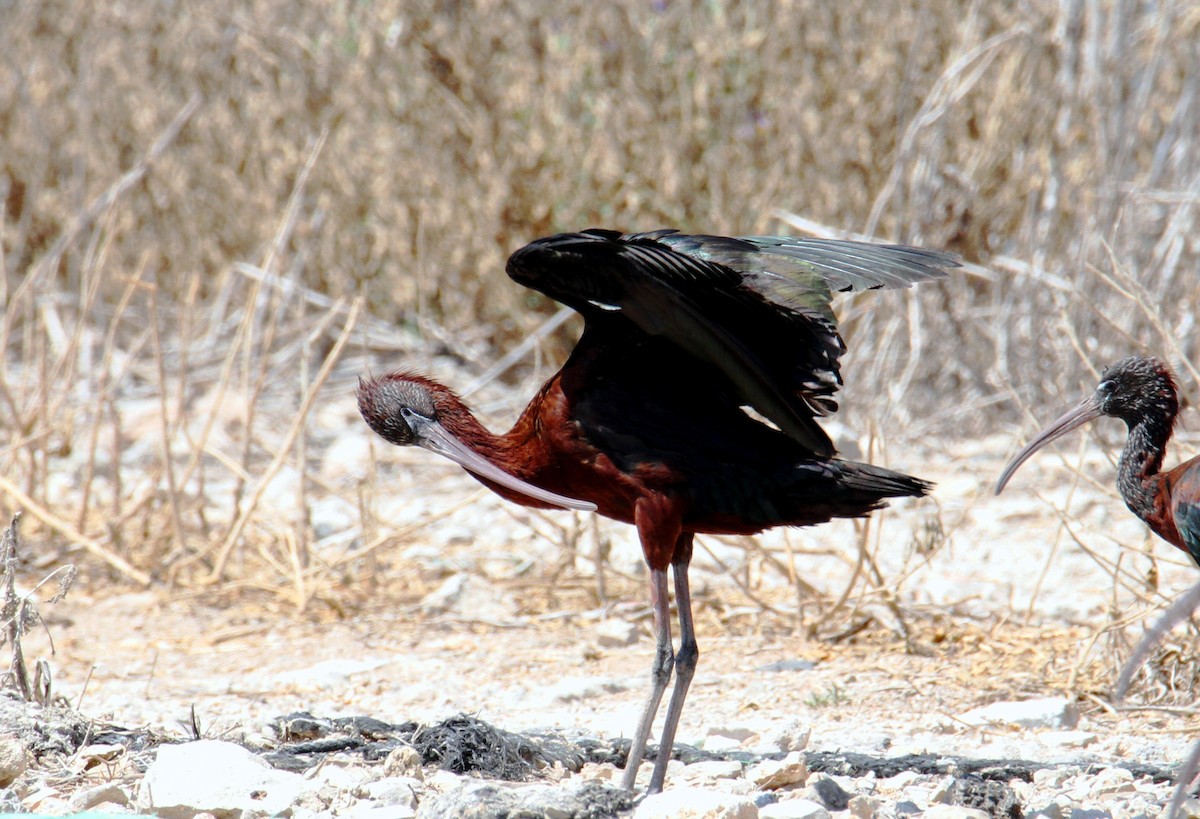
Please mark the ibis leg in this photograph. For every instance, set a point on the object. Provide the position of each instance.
(660, 674)
(685, 667)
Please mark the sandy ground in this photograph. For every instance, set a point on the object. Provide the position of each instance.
(1006, 606)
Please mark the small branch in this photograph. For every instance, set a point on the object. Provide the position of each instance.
(71, 533)
(114, 192)
(248, 509)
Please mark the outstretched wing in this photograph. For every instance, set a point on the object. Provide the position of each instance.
(756, 308)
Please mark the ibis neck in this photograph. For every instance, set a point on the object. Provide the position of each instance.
(1141, 460)
(516, 451)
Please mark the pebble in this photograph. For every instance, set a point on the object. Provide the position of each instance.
(13, 760)
(1043, 712)
(833, 795)
(479, 798)
(696, 803)
(794, 809)
(107, 793)
(1053, 777)
(773, 774)
(899, 782)
(325, 675)
(863, 807)
(614, 633)
(468, 596)
(792, 737)
(404, 762)
(1068, 739)
(394, 790)
(218, 777)
(715, 743)
(712, 769)
(1108, 781)
(367, 811)
(738, 733)
(582, 689)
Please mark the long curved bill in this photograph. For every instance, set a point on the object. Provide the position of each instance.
(433, 436)
(1086, 410)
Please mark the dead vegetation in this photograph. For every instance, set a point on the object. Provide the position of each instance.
(217, 214)
(19, 614)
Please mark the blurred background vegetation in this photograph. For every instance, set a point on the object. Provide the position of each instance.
(400, 150)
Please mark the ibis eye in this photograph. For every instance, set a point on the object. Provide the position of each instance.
(410, 415)
(1105, 387)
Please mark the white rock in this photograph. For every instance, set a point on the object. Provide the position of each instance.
(443, 781)
(394, 790)
(738, 732)
(89, 756)
(863, 807)
(772, 774)
(712, 769)
(900, 781)
(600, 771)
(720, 742)
(793, 736)
(474, 797)
(1068, 739)
(794, 809)
(339, 777)
(953, 812)
(572, 689)
(468, 596)
(51, 806)
(1109, 781)
(108, 792)
(13, 760)
(365, 810)
(404, 761)
(616, 633)
(1044, 712)
(696, 803)
(210, 775)
(943, 789)
(1053, 777)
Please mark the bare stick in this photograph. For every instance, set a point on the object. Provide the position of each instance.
(115, 191)
(11, 613)
(281, 455)
(71, 533)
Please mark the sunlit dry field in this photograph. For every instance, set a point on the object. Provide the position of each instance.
(217, 215)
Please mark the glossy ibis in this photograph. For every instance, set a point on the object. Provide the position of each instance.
(645, 423)
(1141, 392)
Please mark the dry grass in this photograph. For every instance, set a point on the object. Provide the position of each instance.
(208, 205)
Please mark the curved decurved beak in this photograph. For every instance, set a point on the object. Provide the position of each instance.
(1086, 410)
(433, 436)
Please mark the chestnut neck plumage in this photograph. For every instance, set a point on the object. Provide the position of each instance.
(520, 452)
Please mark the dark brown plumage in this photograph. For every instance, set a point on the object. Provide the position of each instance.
(645, 422)
(1141, 392)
